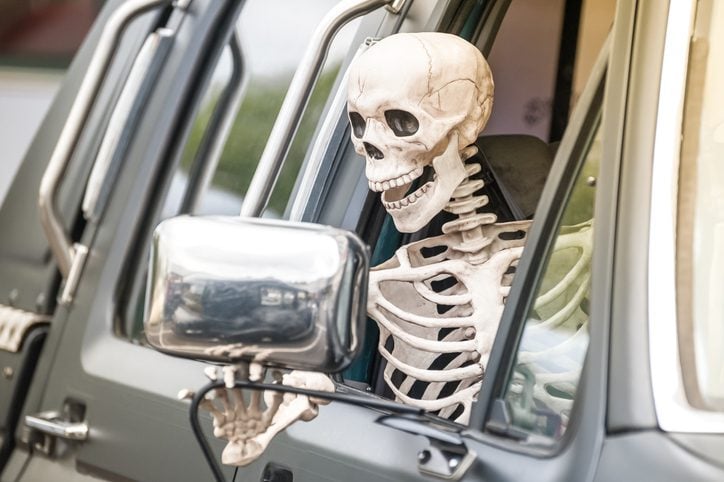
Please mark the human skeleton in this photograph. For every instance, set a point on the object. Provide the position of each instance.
(417, 103)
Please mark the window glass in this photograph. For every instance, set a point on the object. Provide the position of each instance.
(700, 236)
(542, 388)
(524, 60)
(274, 35)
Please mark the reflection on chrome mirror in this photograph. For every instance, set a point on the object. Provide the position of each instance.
(283, 294)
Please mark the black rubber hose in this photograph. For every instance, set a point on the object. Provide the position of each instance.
(196, 427)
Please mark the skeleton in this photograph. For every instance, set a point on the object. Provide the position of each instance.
(249, 427)
(417, 103)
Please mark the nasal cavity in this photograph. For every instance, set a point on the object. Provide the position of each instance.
(373, 152)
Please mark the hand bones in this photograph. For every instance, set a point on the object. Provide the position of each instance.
(248, 427)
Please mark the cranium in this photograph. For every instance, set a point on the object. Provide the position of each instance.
(415, 102)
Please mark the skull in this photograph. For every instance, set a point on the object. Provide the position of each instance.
(415, 102)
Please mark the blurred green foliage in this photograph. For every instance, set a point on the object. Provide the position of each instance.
(250, 132)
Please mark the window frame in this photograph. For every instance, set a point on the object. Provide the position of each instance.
(568, 162)
(111, 333)
(338, 144)
(206, 156)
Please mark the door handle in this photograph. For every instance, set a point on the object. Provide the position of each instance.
(54, 424)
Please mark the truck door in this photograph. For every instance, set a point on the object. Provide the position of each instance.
(135, 50)
(540, 414)
(151, 146)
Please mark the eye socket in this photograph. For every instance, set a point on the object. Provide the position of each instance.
(401, 122)
(358, 124)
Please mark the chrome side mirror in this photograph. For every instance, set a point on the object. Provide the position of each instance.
(283, 294)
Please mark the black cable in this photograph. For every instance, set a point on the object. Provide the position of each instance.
(347, 398)
(196, 428)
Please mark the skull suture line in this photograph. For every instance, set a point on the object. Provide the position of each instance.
(411, 96)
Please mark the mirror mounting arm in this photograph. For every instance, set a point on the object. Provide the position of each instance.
(348, 398)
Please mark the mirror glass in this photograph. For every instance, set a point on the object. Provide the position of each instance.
(282, 294)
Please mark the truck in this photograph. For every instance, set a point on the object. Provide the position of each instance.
(605, 117)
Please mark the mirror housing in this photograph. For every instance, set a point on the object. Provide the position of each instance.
(283, 294)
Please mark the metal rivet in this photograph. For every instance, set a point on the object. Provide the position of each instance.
(591, 181)
(40, 301)
(423, 456)
(452, 463)
(8, 372)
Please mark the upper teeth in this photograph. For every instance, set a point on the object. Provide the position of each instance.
(380, 186)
